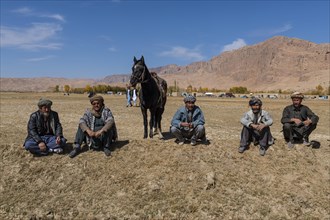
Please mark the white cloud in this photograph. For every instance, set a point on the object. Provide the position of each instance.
(234, 45)
(35, 37)
(54, 16)
(29, 12)
(112, 49)
(23, 11)
(271, 31)
(183, 53)
(37, 59)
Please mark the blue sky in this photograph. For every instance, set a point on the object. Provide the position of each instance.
(94, 39)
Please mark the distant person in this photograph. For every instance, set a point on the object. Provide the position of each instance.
(188, 123)
(298, 121)
(256, 127)
(128, 96)
(97, 128)
(134, 96)
(45, 133)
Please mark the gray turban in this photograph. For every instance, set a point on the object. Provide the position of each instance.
(297, 95)
(44, 102)
(96, 98)
(255, 101)
(189, 98)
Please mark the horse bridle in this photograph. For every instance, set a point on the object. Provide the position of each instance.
(141, 78)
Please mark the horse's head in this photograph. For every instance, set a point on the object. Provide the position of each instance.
(139, 70)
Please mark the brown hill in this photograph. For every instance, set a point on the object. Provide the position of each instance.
(278, 63)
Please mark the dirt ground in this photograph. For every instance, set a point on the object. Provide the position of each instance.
(157, 179)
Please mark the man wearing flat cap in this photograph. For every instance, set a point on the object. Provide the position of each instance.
(188, 123)
(45, 133)
(256, 127)
(298, 121)
(97, 128)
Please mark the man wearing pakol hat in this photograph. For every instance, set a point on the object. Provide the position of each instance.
(256, 127)
(298, 121)
(188, 123)
(45, 133)
(97, 128)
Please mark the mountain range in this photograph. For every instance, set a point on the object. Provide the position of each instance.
(279, 63)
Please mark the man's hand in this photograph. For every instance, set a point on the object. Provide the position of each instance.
(307, 122)
(186, 124)
(90, 133)
(42, 146)
(297, 121)
(98, 133)
(260, 127)
(58, 140)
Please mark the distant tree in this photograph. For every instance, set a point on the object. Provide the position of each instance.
(57, 88)
(319, 90)
(239, 90)
(189, 89)
(66, 88)
(88, 88)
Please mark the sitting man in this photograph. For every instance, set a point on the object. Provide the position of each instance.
(298, 121)
(44, 131)
(97, 128)
(188, 122)
(256, 127)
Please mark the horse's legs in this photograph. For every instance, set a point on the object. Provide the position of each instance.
(145, 121)
(152, 122)
(158, 123)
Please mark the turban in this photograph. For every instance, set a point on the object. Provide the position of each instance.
(44, 102)
(255, 101)
(96, 98)
(189, 98)
(297, 95)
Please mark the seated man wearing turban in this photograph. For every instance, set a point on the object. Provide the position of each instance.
(298, 121)
(97, 128)
(188, 123)
(256, 127)
(44, 131)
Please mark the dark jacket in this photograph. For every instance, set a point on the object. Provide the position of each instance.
(303, 112)
(36, 128)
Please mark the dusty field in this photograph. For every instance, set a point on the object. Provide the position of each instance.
(156, 179)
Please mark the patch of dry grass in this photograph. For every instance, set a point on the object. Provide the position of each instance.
(155, 179)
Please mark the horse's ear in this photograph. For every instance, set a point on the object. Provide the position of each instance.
(134, 59)
(142, 58)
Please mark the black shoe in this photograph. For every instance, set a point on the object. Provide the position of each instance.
(241, 149)
(107, 152)
(262, 151)
(306, 141)
(74, 152)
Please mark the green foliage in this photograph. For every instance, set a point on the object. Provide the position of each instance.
(57, 88)
(239, 90)
(66, 88)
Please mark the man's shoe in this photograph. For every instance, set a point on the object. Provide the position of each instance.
(262, 151)
(205, 141)
(290, 145)
(74, 152)
(107, 152)
(193, 142)
(58, 150)
(180, 142)
(241, 149)
(306, 142)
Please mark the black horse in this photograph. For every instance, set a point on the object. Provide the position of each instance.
(152, 96)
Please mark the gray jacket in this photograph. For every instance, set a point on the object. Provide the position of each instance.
(263, 117)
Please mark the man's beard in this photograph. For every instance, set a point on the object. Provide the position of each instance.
(45, 114)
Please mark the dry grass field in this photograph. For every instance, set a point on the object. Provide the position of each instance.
(157, 179)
